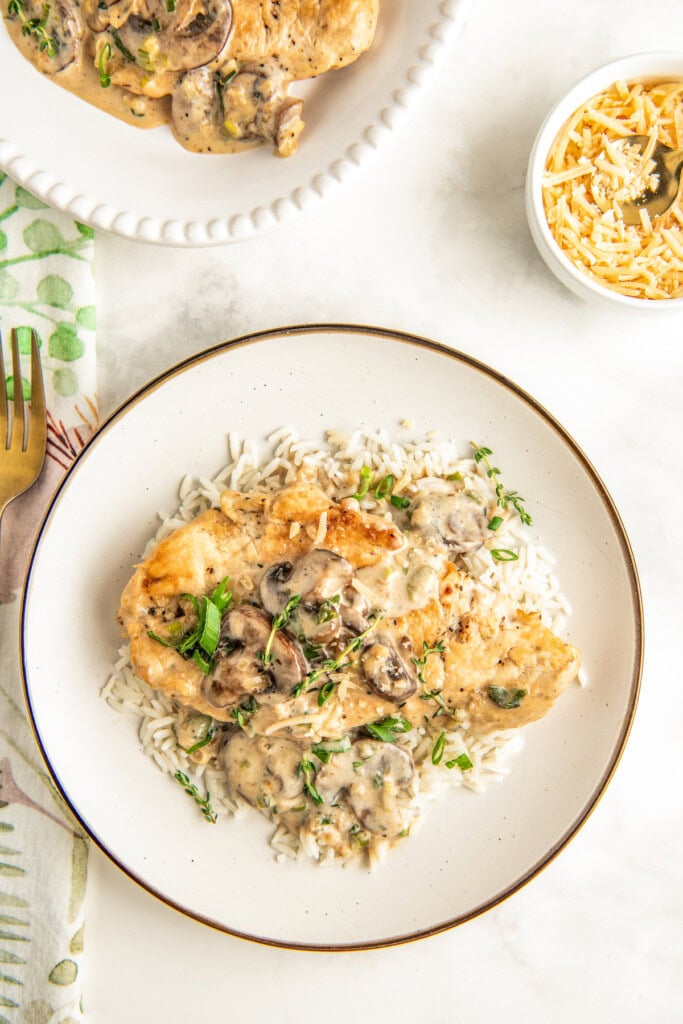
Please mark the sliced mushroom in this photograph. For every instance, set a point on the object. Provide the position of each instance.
(318, 577)
(264, 771)
(379, 779)
(192, 34)
(457, 518)
(256, 106)
(195, 104)
(56, 41)
(240, 669)
(354, 610)
(385, 665)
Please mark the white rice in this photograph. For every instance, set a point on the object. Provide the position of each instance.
(529, 581)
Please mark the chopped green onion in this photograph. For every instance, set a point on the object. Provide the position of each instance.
(462, 762)
(495, 523)
(103, 64)
(170, 6)
(505, 698)
(221, 597)
(504, 555)
(208, 641)
(326, 692)
(454, 476)
(324, 751)
(120, 45)
(385, 486)
(439, 747)
(160, 639)
(398, 502)
(364, 484)
(388, 729)
(156, 25)
(205, 664)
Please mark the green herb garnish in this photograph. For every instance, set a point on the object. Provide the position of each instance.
(170, 6)
(203, 802)
(334, 664)
(364, 483)
(279, 622)
(329, 609)
(103, 66)
(201, 642)
(503, 555)
(118, 43)
(388, 729)
(503, 497)
(308, 770)
(324, 751)
(462, 762)
(495, 523)
(398, 502)
(385, 487)
(421, 663)
(325, 693)
(506, 698)
(438, 749)
(242, 713)
(35, 27)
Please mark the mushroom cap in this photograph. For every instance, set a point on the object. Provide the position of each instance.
(241, 671)
(374, 775)
(195, 101)
(385, 664)
(318, 577)
(263, 769)
(460, 520)
(63, 32)
(191, 35)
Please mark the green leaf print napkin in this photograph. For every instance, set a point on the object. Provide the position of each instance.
(46, 282)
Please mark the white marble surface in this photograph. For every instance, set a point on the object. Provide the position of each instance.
(433, 240)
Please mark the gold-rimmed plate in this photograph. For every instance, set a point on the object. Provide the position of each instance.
(473, 850)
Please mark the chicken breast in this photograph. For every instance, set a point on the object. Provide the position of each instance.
(338, 619)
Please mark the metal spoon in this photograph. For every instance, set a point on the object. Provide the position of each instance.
(668, 165)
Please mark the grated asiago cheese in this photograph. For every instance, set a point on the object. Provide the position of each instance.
(591, 157)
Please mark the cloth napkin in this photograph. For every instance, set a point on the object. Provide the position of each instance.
(46, 282)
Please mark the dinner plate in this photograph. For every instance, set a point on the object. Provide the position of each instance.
(143, 185)
(473, 850)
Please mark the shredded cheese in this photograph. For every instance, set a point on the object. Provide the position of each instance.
(591, 157)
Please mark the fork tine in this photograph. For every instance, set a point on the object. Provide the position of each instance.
(3, 401)
(37, 434)
(19, 424)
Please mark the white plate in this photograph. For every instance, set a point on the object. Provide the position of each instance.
(472, 850)
(143, 185)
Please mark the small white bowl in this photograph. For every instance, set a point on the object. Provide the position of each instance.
(637, 67)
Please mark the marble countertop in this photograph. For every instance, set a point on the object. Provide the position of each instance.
(433, 240)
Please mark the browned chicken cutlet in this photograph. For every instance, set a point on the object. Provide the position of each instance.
(362, 591)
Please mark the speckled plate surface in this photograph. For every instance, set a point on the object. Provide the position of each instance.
(473, 850)
(143, 185)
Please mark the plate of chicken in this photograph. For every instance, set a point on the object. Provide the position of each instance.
(341, 664)
(264, 105)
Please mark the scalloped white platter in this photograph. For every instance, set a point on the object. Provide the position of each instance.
(473, 849)
(143, 185)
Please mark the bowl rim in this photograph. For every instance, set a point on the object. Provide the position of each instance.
(655, 64)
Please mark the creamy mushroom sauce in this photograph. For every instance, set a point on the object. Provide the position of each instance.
(349, 636)
(217, 72)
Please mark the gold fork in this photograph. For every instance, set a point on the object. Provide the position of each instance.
(23, 437)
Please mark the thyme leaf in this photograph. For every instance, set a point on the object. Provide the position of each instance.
(203, 802)
(504, 498)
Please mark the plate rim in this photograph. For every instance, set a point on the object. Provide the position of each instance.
(420, 342)
(337, 170)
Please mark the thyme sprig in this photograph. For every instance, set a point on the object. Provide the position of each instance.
(504, 498)
(203, 802)
(279, 622)
(35, 27)
(421, 664)
(335, 664)
(309, 771)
